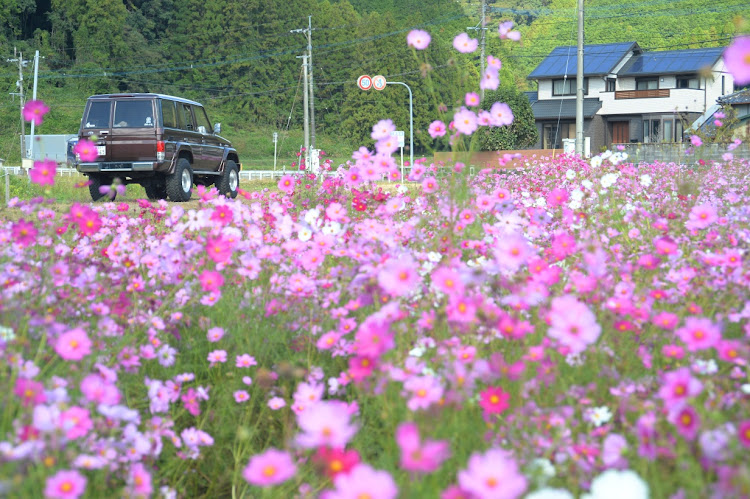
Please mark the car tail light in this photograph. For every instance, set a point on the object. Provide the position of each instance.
(160, 150)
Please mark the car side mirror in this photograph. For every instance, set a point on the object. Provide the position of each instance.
(217, 128)
(202, 129)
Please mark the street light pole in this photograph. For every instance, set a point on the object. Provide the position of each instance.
(579, 84)
(33, 97)
(411, 121)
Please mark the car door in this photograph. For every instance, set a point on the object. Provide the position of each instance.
(213, 149)
(190, 136)
(96, 126)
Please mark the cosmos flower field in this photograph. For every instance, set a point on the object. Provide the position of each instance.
(570, 328)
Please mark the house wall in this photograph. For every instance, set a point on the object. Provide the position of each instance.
(544, 90)
(679, 100)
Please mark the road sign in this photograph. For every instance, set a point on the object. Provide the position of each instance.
(378, 82)
(364, 82)
(399, 135)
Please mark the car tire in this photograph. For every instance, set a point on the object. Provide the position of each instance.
(155, 189)
(180, 183)
(229, 181)
(96, 181)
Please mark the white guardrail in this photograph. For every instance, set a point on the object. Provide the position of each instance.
(244, 174)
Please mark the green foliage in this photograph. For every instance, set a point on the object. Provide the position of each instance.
(520, 134)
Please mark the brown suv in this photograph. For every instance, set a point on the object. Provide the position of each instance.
(164, 143)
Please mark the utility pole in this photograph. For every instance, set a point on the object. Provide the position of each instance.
(307, 108)
(309, 77)
(482, 29)
(18, 57)
(579, 84)
(33, 97)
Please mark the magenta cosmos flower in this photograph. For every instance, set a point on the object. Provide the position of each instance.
(678, 386)
(286, 184)
(493, 474)
(73, 345)
(65, 484)
(34, 111)
(418, 39)
(43, 172)
(86, 150)
(270, 468)
(464, 44)
(737, 59)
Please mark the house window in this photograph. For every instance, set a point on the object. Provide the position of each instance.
(611, 84)
(568, 87)
(552, 134)
(662, 129)
(647, 84)
(688, 82)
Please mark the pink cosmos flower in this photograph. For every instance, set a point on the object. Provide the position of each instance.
(512, 251)
(504, 30)
(398, 276)
(24, 233)
(696, 141)
(701, 216)
(492, 475)
(215, 334)
(472, 99)
(211, 280)
(86, 150)
(241, 396)
(424, 390)
(269, 468)
(73, 345)
(447, 281)
(336, 461)
(65, 484)
(490, 79)
(139, 481)
(737, 59)
(29, 391)
(363, 482)
(216, 357)
(437, 129)
(494, 63)
(678, 386)
(429, 185)
(219, 249)
(423, 457)
(245, 360)
(494, 400)
(465, 121)
(501, 114)
(572, 323)
(43, 172)
(418, 39)
(76, 422)
(699, 334)
(325, 423)
(34, 111)
(464, 44)
(382, 129)
(98, 390)
(276, 403)
(687, 421)
(286, 184)
(743, 432)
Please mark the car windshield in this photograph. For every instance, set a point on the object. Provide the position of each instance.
(133, 114)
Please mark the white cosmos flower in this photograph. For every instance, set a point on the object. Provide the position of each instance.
(645, 180)
(548, 493)
(576, 195)
(586, 183)
(596, 162)
(600, 415)
(304, 234)
(570, 174)
(614, 484)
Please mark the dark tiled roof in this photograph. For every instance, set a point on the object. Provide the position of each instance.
(671, 61)
(563, 108)
(738, 97)
(597, 60)
(533, 96)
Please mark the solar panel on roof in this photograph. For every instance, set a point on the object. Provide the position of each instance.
(597, 59)
(672, 61)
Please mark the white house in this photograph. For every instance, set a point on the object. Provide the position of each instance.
(630, 95)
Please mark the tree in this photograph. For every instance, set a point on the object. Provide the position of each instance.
(520, 134)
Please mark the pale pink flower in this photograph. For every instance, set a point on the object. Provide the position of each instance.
(241, 396)
(492, 475)
(325, 424)
(65, 484)
(270, 468)
(501, 114)
(73, 345)
(398, 276)
(382, 130)
(216, 357)
(276, 403)
(737, 59)
(424, 391)
(504, 30)
(437, 129)
(464, 44)
(424, 457)
(363, 482)
(572, 324)
(215, 334)
(465, 121)
(490, 79)
(418, 39)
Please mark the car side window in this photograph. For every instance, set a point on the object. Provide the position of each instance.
(98, 116)
(202, 119)
(186, 117)
(168, 114)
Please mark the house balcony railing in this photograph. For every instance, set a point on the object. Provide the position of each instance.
(642, 94)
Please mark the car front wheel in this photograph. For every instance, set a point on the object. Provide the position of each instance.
(229, 181)
(180, 183)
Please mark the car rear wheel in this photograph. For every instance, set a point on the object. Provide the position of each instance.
(155, 189)
(229, 181)
(180, 183)
(97, 181)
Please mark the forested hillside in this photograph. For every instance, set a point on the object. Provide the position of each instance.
(240, 58)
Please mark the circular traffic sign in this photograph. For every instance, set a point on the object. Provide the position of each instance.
(364, 82)
(378, 82)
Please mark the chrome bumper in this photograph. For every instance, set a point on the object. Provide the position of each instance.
(120, 166)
